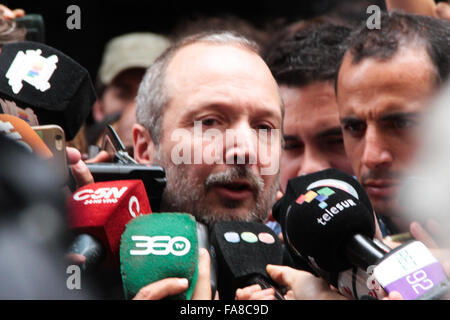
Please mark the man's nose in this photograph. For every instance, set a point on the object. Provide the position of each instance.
(376, 153)
(241, 145)
(312, 161)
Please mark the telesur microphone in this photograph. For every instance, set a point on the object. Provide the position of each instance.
(98, 214)
(334, 230)
(160, 246)
(243, 250)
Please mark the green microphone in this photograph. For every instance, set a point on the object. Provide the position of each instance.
(159, 246)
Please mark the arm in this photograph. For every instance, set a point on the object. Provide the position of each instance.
(423, 7)
(303, 285)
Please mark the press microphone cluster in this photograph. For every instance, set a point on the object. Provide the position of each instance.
(165, 245)
(328, 222)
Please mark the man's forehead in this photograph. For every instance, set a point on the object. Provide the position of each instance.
(227, 70)
(403, 62)
(218, 59)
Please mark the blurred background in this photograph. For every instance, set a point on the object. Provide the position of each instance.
(102, 20)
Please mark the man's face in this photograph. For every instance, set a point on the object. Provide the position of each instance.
(120, 96)
(312, 132)
(380, 106)
(229, 93)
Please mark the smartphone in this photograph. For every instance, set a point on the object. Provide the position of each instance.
(125, 167)
(55, 139)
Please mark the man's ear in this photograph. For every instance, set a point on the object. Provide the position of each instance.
(97, 111)
(144, 148)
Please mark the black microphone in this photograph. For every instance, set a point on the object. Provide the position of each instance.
(333, 231)
(57, 88)
(242, 251)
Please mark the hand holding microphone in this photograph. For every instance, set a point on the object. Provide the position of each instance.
(161, 257)
(165, 288)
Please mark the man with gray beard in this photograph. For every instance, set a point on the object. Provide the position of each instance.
(211, 101)
(220, 82)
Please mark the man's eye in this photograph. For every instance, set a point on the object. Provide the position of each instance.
(292, 145)
(123, 94)
(354, 128)
(403, 123)
(264, 126)
(208, 122)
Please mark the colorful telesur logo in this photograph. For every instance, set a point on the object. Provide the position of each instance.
(321, 195)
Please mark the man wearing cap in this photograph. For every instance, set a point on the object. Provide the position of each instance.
(123, 65)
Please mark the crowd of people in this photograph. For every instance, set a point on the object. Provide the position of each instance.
(328, 92)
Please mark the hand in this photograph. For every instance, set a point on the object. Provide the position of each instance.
(172, 286)
(271, 218)
(9, 14)
(302, 285)
(162, 289)
(255, 292)
(420, 234)
(423, 7)
(80, 171)
(394, 295)
(443, 10)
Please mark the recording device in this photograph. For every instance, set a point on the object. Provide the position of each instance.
(160, 246)
(97, 216)
(55, 139)
(34, 24)
(330, 228)
(243, 250)
(124, 167)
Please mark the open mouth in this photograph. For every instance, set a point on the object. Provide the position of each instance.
(235, 190)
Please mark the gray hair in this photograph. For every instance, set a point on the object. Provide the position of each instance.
(153, 96)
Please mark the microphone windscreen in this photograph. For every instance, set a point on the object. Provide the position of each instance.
(325, 178)
(55, 87)
(242, 251)
(320, 222)
(20, 131)
(103, 209)
(156, 247)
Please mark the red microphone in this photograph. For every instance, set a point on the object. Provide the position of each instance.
(98, 214)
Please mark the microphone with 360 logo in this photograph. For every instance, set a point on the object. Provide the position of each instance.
(163, 245)
(97, 215)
